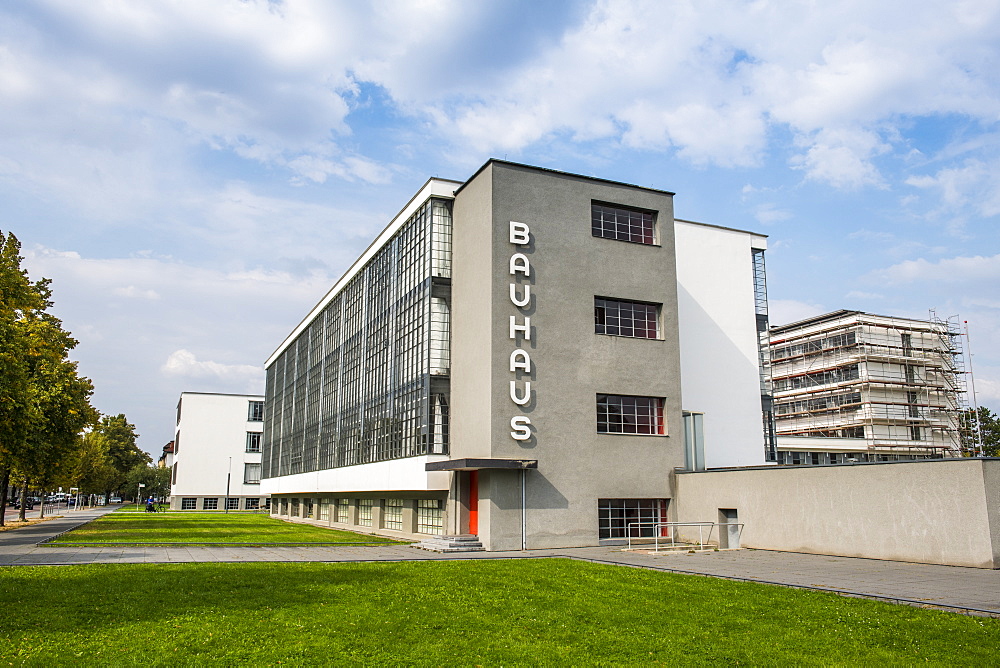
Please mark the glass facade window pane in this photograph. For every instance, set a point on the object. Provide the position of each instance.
(343, 511)
(611, 222)
(617, 317)
(251, 474)
(365, 512)
(636, 518)
(355, 386)
(392, 514)
(430, 516)
(617, 414)
(253, 441)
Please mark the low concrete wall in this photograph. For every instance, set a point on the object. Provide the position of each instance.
(938, 511)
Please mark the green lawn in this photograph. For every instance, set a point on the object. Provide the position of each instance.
(174, 528)
(455, 613)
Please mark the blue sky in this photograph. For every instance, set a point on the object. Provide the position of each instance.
(195, 175)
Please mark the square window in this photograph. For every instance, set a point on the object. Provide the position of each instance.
(210, 504)
(253, 441)
(251, 474)
(618, 317)
(232, 504)
(617, 414)
(636, 518)
(621, 224)
(189, 504)
(255, 412)
(251, 504)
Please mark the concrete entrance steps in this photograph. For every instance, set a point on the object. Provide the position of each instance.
(462, 543)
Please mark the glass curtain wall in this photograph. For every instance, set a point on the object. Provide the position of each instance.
(367, 380)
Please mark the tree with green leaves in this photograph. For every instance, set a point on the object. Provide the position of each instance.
(18, 296)
(156, 480)
(980, 428)
(44, 402)
(123, 454)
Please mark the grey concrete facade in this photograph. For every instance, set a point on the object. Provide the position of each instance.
(944, 511)
(570, 364)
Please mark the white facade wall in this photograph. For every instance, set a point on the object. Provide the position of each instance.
(211, 442)
(720, 367)
(396, 474)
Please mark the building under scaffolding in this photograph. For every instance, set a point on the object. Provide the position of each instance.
(851, 386)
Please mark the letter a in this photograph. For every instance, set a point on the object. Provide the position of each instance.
(519, 264)
(519, 360)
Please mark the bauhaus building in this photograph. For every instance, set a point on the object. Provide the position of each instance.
(528, 356)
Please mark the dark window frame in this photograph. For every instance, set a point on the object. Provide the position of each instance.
(619, 317)
(623, 223)
(630, 415)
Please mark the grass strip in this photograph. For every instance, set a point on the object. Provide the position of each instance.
(474, 612)
(180, 529)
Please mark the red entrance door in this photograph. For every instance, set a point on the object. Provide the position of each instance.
(474, 502)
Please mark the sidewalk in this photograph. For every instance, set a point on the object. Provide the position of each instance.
(950, 587)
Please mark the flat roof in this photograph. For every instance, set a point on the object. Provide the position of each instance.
(837, 315)
(226, 394)
(560, 173)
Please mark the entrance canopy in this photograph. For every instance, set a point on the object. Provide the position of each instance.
(479, 464)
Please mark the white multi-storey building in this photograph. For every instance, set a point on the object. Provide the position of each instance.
(215, 463)
(852, 386)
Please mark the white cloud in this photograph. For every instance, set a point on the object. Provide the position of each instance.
(184, 364)
(209, 330)
(132, 291)
(868, 296)
(974, 186)
(152, 84)
(767, 214)
(785, 311)
(984, 271)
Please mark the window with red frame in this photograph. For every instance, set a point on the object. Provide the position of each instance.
(617, 414)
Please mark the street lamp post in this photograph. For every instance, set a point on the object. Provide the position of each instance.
(138, 493)
(229, 475)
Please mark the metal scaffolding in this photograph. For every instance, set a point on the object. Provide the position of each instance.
(896, 383)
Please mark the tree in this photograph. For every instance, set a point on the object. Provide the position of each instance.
(44, 403)
(18, 296)
(155, 479)
(980, 428)
(59, 399)
(123, 454)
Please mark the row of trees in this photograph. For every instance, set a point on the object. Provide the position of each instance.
(50, 435)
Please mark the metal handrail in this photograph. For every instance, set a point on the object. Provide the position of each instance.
(658, 526)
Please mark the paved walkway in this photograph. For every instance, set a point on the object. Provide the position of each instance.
(950, 587)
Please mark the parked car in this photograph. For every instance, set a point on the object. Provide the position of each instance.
(115, 499)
